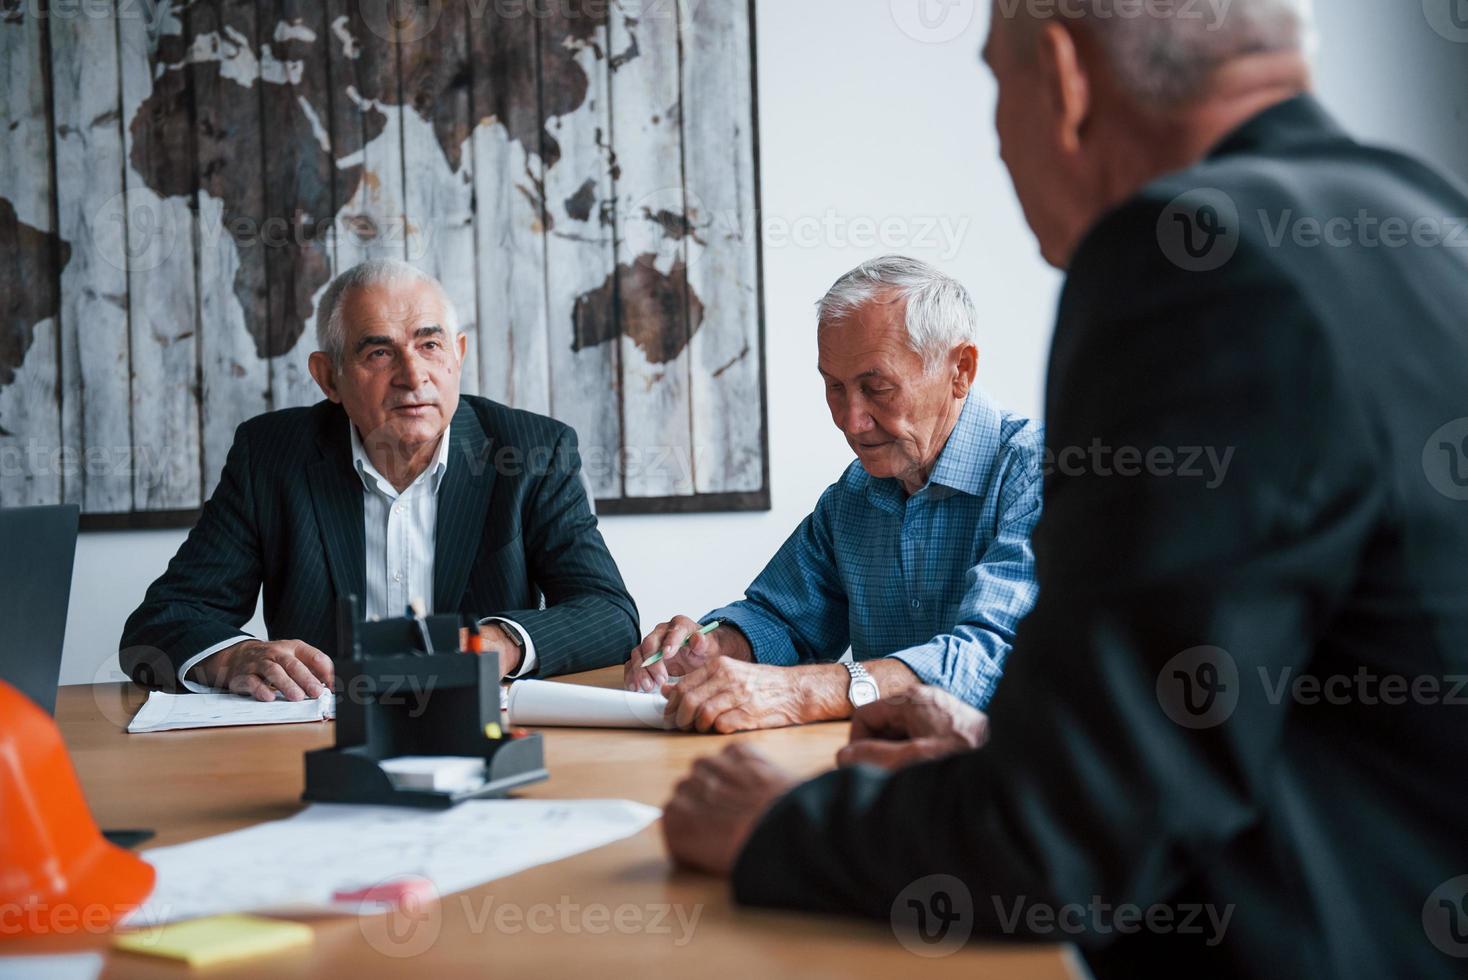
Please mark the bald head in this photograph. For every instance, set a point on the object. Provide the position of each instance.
(1099, 97)
(1164, 51)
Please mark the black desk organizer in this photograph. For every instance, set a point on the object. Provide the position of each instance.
(394, 699)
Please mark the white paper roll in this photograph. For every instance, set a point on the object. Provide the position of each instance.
(551, 703)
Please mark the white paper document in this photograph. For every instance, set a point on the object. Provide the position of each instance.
(166, 712)
(65, 966)
(334, 847)
(551, 703)
(436, 773)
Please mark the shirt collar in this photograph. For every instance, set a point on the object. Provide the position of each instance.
(373, 480)
(965, 463)
(972, 447)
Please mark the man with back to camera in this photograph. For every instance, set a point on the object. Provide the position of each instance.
(393, 488)
(918, 558)
(1244, 700)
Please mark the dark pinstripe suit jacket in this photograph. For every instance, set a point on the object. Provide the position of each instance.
(514, 524)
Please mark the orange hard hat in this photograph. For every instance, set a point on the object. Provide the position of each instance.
(57, 873)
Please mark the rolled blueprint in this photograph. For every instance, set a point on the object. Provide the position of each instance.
(552, 703)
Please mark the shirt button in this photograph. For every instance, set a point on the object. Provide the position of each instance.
(917, 603)
(397, 576)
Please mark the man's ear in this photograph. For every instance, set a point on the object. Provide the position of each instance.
(324, 371)
(462, 342)
(1067, 84)
(966, 369)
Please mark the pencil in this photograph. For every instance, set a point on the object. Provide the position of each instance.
(704, 631)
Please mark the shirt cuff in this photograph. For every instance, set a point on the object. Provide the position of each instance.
(974, 687)
(527, 665)
(769, 642)
(195, 687)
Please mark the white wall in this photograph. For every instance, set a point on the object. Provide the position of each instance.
(1392, 79)
(867, 130)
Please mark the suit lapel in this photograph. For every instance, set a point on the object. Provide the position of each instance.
(336, 494)
(463, 500)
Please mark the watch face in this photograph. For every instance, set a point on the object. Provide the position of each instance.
(863, 692)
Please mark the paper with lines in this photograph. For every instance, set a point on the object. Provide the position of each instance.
(164, 712)
(296, 865)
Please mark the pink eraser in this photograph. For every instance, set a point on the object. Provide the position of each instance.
(402, 891)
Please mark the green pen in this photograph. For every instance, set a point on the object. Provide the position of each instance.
(704, 631)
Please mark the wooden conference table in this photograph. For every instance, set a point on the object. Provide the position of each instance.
(189, 784)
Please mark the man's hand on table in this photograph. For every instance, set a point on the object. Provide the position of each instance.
(678, 660)
(715, 808)
(915, 726)
(260, 668)
(727, 695)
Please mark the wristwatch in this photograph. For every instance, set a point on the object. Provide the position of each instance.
(863, 689)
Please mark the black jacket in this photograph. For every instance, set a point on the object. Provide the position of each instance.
(1129, 766)
(514, 524)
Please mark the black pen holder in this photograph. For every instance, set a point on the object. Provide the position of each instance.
(397, 697)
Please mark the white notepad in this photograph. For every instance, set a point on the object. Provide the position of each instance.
(166, 712)
(551, 703)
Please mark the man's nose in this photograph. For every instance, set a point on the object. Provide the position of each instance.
(856, 420)
(412, 371)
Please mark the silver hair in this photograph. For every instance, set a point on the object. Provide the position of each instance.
(1163, 51)
(331, 333)
(939, 314)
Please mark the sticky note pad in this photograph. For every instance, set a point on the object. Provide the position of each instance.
(217, 939)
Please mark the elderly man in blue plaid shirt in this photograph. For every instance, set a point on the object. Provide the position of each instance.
(918, 558)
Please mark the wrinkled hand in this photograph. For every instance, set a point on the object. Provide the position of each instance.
(716, 806)
(726, 641)
(727, 695)
(921, 724)
(260, 668)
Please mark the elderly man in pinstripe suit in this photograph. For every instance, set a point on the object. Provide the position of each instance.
(393, 488)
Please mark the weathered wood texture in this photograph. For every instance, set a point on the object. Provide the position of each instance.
(158, 181)
(656, 311)
(180, 181)
(30, 256)
(96, 366)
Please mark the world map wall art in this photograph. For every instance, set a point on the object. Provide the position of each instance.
(180, 181)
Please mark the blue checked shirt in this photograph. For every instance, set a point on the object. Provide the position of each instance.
(938, 580)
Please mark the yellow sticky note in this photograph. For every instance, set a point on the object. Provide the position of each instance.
(202, 942)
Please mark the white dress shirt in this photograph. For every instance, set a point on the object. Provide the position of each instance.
(400, 536)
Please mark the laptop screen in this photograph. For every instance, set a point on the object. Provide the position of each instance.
(35, 587)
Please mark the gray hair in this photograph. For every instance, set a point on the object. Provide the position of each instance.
(939, 313)
(331, 333)
(1164, 53)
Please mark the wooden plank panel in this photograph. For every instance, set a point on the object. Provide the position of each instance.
(91, 216)
(514, 357)
(30, 412)
(162, 306)
(230, 190)
(438, 156)
(580, 262)
(652, 283)
(366, 133)
(720, 182)
(298, 172)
